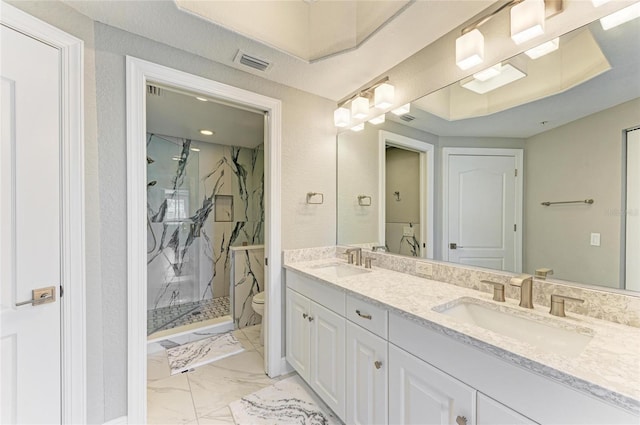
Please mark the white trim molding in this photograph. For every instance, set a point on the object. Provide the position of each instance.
(518, 155)
(139, 72)
(73, 324)
(427, 186)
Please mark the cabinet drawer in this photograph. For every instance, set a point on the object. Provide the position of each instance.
(325, 295)
(368, 316)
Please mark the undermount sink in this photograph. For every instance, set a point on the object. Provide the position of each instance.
(338, 270)
(568, 340)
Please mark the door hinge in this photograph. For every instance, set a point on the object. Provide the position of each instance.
(61, 291)
(515, 227)
(516, 172)
(266, 261)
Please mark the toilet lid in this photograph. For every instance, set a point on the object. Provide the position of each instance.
(259, 298)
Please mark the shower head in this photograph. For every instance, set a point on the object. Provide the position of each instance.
(152, 183)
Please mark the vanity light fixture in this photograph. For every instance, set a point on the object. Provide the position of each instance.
(404, 109)
(527, 20)
(206, 132)
(358, 127)
(341, 117)
(508, 74)
(470, 49)
(360, 107)
(377, 120)
(543, 49)
(620, 17)
(383, 96)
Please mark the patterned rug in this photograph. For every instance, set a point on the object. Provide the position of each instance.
(289, 401)
(198, 353)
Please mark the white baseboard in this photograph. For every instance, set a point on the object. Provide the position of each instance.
(117, 421)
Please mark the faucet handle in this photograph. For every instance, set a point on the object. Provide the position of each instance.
(367, 262)
(557, 304)
(498, 290)
(350, 257)
(542, 273)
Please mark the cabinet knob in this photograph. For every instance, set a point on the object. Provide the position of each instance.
(305, 315)
(377, 364)
(461, 420)
(310, 318)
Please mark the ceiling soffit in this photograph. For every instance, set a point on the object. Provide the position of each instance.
(309, 30)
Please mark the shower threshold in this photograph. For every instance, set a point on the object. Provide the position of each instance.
(180, 315)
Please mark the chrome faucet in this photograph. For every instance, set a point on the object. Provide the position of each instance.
(525, 282)
(357, 252)
(543, 273)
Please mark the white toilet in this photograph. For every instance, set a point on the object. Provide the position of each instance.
(258, 306)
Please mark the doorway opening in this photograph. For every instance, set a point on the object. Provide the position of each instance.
(140, 74)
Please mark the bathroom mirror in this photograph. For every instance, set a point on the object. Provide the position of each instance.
(562, 122)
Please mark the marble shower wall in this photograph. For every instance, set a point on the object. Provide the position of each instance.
(206, 198)
(247, 278)
(398, 242)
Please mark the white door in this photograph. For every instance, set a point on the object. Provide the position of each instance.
(326, 376)
(297, 339)
(421, 394)
(30, 229)
(482, 208)
(367, 377)
(632, 278)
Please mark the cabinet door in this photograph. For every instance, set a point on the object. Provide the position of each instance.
(328, 357)
(490, 412)
(297, 338)
(421, 394)
(367, 377)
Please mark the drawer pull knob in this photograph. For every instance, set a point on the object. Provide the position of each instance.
(305, 315)
(310, 318)
(364, 316)
(377, 364)
(461, 420)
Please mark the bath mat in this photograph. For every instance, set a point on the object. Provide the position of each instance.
(288, 401)
(198, 353)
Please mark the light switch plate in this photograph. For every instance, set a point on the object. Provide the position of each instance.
(407, 231)
(595, 239)
(425, 269)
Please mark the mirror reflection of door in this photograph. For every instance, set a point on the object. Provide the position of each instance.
(483, 206)
(632, 274)
(402, 201)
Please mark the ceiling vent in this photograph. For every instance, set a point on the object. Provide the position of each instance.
(154, 90)
(251, 61)
(407, 117)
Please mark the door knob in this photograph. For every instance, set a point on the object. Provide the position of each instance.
(377, 364)
(454, 246)
(40, 296)
(461, 420)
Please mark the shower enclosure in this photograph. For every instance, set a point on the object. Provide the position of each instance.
(202, 199)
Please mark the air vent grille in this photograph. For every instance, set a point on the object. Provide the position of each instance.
(407, 117)
(154, 90)
(252, 61)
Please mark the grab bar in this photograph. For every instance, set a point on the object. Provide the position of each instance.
(585, 201)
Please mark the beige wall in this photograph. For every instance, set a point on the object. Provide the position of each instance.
(402, 173)
(580, 160)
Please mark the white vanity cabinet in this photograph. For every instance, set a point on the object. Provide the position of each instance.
(421, 394)
(367, 377)
(315, 339)
(490, 412)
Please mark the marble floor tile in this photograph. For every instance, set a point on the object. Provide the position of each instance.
(158, 366)
(169, 401)
(201, 352)
(289, 401)
(215, 385)
(219, 417)
(253, 334)
(244, 341)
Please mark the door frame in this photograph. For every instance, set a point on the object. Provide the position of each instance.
(518, 155)
(73, 317)
(139, 72)
(426, 151)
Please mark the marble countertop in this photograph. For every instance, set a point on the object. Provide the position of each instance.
(608, 367)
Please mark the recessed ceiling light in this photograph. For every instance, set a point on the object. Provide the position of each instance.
(195, 149)
(508, 74)
(202, 99)
(543, 49)
(206, 132)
